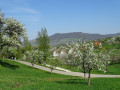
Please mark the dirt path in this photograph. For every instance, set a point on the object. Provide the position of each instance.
(66, 73)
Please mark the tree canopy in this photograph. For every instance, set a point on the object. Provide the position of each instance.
(12, 33)
(43, 43)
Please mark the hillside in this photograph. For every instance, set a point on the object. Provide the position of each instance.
(62, 38)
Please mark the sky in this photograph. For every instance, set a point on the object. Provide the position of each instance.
(63, 16)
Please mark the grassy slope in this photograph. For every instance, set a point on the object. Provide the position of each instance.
(21, 77)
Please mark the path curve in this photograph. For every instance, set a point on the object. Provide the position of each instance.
(67, 73)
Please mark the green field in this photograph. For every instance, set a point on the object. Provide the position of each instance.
(17, 76)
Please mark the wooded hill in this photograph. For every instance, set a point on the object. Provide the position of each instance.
(63, 38)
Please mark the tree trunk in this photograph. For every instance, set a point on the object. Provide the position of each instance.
(70, 66)
(3, 57)
(84, 66)
(32, 65)
(89, 77)
(106, 68)
(84, 76)
(39, 62)
(44, 60)
(51, 70)
(84, 70)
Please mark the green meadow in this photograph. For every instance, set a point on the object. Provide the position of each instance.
(16, 76)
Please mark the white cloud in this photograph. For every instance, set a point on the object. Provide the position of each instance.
(17, 6)
(20, 1)
(24, 10)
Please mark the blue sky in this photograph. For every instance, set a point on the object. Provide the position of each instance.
(62, 16)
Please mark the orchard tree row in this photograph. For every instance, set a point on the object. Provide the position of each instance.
(87, 56)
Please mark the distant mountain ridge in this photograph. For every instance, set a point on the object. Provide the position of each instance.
(62, 38)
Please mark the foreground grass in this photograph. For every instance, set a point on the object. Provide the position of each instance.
(21, 77)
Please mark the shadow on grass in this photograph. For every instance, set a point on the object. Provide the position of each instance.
(114, 63)
(49, 72)
(6, 64)
(73, 81)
